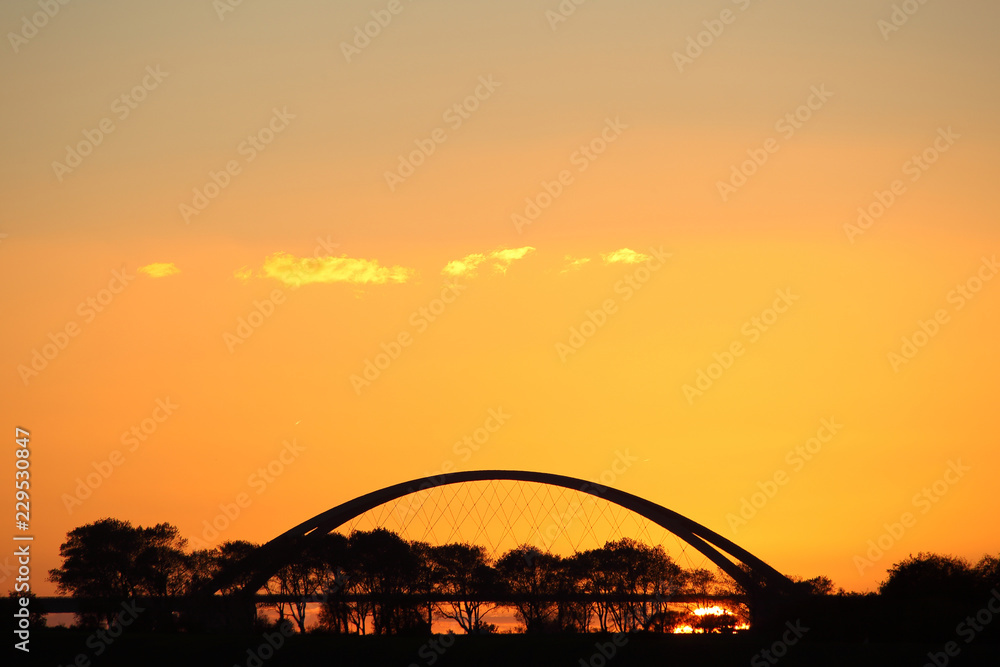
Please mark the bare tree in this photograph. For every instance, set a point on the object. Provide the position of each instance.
(463, 571)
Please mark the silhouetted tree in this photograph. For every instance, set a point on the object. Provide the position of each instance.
(719, 623)
(988, 572)
(334, 615)
(527, 571)
(573, 615)
(302, 578)
(383, 566)
(930, 575)
(700, 581)
(658, 577)
(595, 578)
(923, 596)
(627, 567)
(227, 558)
(110, 561)
(812, 587)
(462, 570)
(666, 621)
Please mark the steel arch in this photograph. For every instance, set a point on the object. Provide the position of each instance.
(758, 578)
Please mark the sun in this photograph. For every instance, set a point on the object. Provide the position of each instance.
(701, 612)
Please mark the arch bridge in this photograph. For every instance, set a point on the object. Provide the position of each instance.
(762, 584)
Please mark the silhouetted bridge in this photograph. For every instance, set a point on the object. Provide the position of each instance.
(763, 587)
(751, 573)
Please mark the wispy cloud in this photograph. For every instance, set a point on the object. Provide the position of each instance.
(499, 260)
(159, 269)
(574, 263)
(624, 256)
(296, 271)
(243, 274)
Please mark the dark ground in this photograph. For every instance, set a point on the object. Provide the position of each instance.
(64, 647)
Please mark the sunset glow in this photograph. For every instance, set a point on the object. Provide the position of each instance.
(756, 285)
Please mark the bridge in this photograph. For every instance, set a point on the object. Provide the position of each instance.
(762, 586)
(633, 579)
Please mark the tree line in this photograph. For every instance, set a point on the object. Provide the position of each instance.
(376, 582)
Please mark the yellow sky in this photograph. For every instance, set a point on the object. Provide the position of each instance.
(561, 222)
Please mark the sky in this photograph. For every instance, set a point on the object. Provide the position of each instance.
(750, 247)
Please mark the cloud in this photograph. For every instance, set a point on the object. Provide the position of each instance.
(624, 256)
(466, 265)
(500, 260)
(574, 264)
(243, 274)
(296, 271)
(159, 269)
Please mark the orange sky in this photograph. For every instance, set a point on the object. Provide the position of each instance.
(305, 223)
